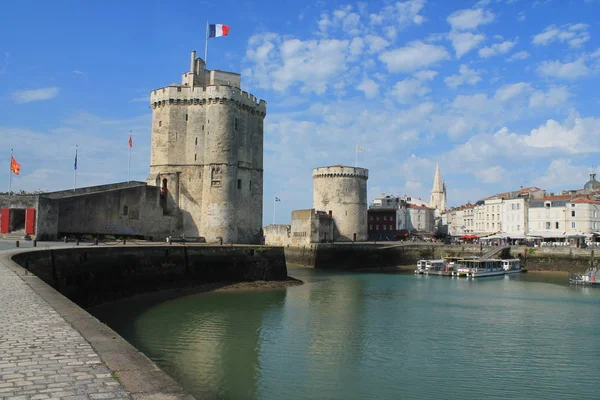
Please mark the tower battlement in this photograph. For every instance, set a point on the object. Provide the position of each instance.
(202, 95)
(339, 171)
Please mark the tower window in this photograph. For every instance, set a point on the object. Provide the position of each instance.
(195, 155)
(202, 127)
(186, 117)
(125, 210)
(196, 141)
(235, 124)
(250, 185)
(239, 183)
(159, 124)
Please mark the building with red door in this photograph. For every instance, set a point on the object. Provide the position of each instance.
(127, 209)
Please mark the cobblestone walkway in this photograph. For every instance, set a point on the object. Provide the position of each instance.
(41, 355)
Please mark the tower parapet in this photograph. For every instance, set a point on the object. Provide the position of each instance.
(207, 154)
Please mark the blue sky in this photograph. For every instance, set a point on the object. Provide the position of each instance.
(502, 93)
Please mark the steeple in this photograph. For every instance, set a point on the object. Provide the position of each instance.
(438, 192)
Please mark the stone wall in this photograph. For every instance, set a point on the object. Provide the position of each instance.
(134, 211)
(277, 235)
(370, 255)
(91, 275)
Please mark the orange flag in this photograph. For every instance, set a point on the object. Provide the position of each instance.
(130, 142)
(15, 167)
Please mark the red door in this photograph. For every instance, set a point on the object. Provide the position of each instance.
(30, 220)
(4, 220)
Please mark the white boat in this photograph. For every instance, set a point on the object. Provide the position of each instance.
(512, 266)
(479, 268)
(434, 267)
(420, 267)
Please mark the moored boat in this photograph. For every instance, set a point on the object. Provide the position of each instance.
(479, 268)
(420, 267)
(512, 266)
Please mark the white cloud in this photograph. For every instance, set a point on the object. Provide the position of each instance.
(370, 88)
(573, 34)
(414, 56)
(510, 91)
(497, 48)
(554, 97)
(26, 96)
(491, 175)
(400, 14)
(78, 72)
(463, 42)
(576, 136)
(376, 43)
(465, 76)
(521, 55)
(314, 65)
(406, 90)
(470, 18)
(570, 70)
(561, 174)
(521, 16)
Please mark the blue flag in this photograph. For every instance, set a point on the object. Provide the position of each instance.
(75, 164)
(277, 199)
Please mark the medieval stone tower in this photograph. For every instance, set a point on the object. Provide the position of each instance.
(207, 154)
(341, 191)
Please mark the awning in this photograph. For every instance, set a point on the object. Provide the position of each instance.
(518, 236)
(493, 237)
(546, 235)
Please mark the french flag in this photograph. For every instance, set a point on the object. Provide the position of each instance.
(217, 30)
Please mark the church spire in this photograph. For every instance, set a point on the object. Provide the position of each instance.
(438, 192)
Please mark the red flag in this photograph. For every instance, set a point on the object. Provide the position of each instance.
(130, 141)
(15, 167)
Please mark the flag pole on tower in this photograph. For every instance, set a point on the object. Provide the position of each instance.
(358, 150)
(206, 45)
(75, 168)
(15, 168)
(10, 172)
(274, 203)
(130, 146)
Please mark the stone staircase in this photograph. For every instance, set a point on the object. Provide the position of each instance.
(14, 235)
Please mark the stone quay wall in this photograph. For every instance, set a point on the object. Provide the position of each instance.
(92, 275)
(375, 255)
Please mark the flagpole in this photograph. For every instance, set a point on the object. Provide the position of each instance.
(206, 45)
(274, 203)
(129, 169)
(10, 173)
(356, 161)
(75, 169)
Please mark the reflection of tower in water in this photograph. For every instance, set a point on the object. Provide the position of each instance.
(210, 343)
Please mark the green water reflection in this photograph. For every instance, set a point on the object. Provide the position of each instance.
(375, 335)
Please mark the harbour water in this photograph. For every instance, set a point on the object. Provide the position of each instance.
(375, 336)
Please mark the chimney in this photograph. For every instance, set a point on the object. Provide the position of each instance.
(192, 61)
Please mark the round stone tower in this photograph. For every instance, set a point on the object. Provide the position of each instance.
(207, 154)
(341, 191)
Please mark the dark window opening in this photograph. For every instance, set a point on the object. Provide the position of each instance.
(202, 127)
(159, 124)
(125, 210)
(195, 157)
(239, 183)
(250, 185)
(186, 117)
(163, 188)
(235, 124)
(572, 213)
(196, 141)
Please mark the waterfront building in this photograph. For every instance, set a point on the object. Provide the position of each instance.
(392, 218)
